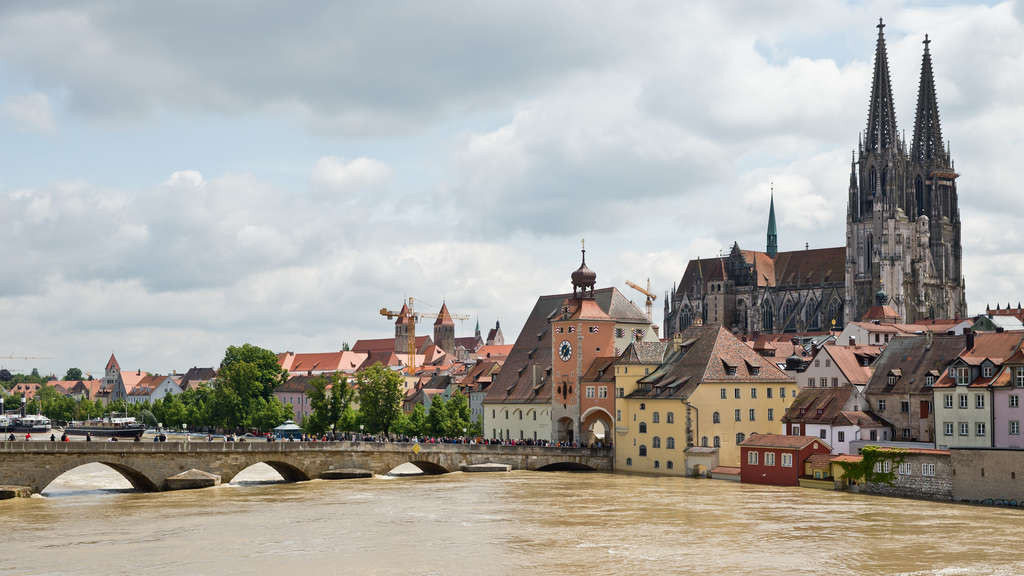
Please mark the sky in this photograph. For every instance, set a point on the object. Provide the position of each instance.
(178, 177)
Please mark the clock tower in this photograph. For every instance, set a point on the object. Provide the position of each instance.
(580, 332)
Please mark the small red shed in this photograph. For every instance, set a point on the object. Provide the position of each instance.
(777, 459)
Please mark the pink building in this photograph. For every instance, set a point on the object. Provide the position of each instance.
(1008, 403)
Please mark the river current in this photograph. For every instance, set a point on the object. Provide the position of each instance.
(513, 523)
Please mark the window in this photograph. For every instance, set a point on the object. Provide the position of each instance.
(1020, 377)
(787, 460)
(963, 376)
(965, 429)
(986, 371)
(740, 438)
(769, 458)
(534, 415)
(874, 435)
(904, 406)
(822, 433)
(629, 461)
(979, 400)
(752, 457)
(828, 362)
(947, 400)
(602, 392)
(618, 415)
(670, 443)
(715, 418)
(493, 415)
(881, 405)
(979, 428)
(768, 392)
(929, 380)
(643, 427)
(590, 391)
(782, 392)
(947, 428)
(704, 441)
(643, 406)
(668, 464)
(1014, 428)
(841, 436)
(753, 392)
(823, 382)
(904, 469)
(670, 417)
(718, 442)
(737, 413)
(657, 464)
(796, 429)
(906, 433)
(927, 469)
(506, 414)
(656, 443)
(736, 393)
(835, 382)
(963, 400)
(655, 417)
(752, 418)
(724, 396)
(771, 413)
(1014, 401)
(810, 382)
(892, 379)
(887, 466)
(620, 392)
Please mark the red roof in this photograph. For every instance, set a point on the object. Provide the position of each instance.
(443, 317)
(781, 441)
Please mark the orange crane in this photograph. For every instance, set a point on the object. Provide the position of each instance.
(409, 312)
(651, 297)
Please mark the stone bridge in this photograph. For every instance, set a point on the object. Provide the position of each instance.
(147, 465)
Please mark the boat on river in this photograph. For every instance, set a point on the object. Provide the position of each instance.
(30, 423)
(120, 427)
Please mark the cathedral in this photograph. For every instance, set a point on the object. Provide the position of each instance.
(902, 239)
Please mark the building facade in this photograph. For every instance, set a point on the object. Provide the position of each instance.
(777, 459)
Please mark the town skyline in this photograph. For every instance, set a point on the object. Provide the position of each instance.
(172, 259)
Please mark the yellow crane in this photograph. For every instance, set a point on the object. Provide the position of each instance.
(409, 312)
(651, 297)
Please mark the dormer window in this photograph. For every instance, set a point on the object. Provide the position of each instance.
(986, 371)
(929, 380)
(892, 379)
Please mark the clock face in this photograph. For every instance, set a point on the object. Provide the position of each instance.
(565, 350)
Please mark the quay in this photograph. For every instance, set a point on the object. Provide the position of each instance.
(148, 466)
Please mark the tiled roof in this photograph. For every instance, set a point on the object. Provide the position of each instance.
(297, 384)
(847, 458)
(600, 370)
(880, 313)
(196, 375)
(525, 375)
(341, 361)
(643, 353)
(849, 361)
(912, 358)
(803, 267)
(780, 441)
(708, 353)
(385, 344)
(494, 351)
(993, 346)
(819, 459)
(860, 418)
(468, 342)
(818, 405)
(132, 379)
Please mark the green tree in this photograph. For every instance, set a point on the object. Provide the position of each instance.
(268, 372)
(268, 414)
(459, 421)
(437, 417)
(329, 397)
(417, 421)
(380, 397)
(73, 374)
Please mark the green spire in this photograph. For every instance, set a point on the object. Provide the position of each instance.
(773, 236)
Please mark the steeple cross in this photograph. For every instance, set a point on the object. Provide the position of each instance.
(926, 42)
(880, 25)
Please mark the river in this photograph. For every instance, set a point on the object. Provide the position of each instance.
(514, 523)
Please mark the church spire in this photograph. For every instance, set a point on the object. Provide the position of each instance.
(773, 236)
(881, 133)
(927, 143)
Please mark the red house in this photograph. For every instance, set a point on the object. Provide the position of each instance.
(777, 459)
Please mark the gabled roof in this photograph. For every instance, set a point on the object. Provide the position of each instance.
(781, 441)
(849, 361)
(444, 318)
(637, 352)
(818, 405)
(884, 313)
(469, 343)
(914, 358)
(494, 351)
(601, 370)
(341, 361)
(132, 379)
(707, 353)
(860, 418)
(993, 346)
(385, 344)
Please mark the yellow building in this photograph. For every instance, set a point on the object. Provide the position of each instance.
(690, 413)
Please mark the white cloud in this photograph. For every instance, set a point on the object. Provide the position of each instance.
(30, 112)
(358, 174)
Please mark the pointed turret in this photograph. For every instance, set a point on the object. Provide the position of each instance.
(927, 145)
(773, 236)
(444, 317)
(444, 330)
(881, 133)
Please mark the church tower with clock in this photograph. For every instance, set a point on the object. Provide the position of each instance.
(580, 332)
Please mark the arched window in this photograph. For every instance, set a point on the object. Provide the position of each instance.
(872, 182)
(835, 312)
(767, 321)
(718, 442)
(643, 427)
(668, 464)
(788, 318)
(686, 318)
(670, 443)
(656, 443)
(704, 441)
(655, 417)
(919, 195)
(670, 417)
(643, 450)
(885, 180)
(657, 464)
(629, 461)
(812, 315)
(740, 438)
(716, 418)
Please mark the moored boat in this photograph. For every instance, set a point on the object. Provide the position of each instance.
(30, 423)
(121, 427)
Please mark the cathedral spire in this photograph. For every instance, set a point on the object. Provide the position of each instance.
(927, 143)
(773, 236)
(881, 133)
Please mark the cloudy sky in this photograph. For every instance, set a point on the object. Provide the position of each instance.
(178, 177)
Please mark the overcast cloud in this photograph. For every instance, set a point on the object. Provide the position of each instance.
(175, 178)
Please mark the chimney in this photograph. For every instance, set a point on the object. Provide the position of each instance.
(970, 338)
(928, 340)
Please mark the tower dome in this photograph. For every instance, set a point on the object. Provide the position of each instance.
(583, 278)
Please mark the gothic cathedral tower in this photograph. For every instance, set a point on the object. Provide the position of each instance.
(903, 220)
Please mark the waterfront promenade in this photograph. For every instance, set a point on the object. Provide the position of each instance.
(147, 465)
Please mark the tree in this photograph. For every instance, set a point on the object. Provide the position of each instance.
(73, 374)
(5, 375)
(417, 421)
(437, 417)
(329, 397)
(380, 397)
(459, 422)
(268, 372)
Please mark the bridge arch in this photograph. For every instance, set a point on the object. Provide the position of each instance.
(289, 472)
(139, 480)
(566, 467)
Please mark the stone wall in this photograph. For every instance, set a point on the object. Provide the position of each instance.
(916, 484)
(988, 476)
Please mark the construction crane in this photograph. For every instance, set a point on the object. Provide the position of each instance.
(409, 312)
(26, 357)
(651, 297)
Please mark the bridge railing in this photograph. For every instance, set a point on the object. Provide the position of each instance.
(43, 447)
